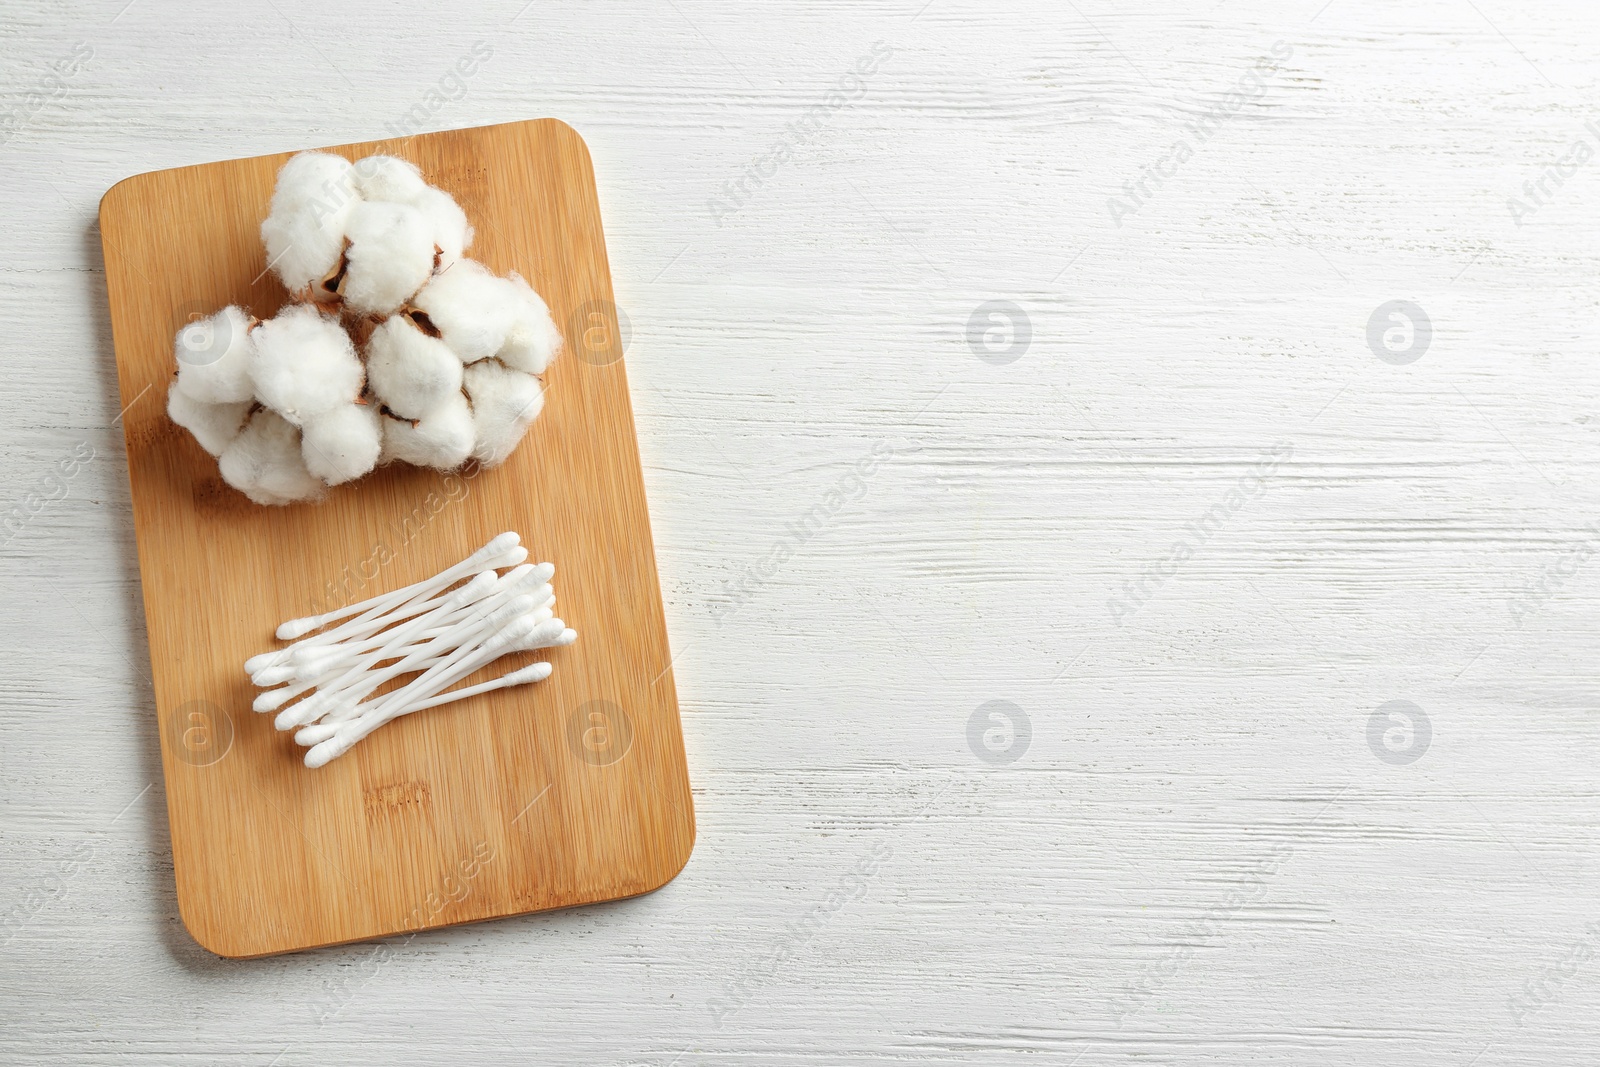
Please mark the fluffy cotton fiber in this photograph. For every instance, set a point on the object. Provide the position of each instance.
(215, 357)
(447, 367)
(473, 310)
(533, 340)
(504, 404)
(305, 364)
(409, 371)
(343, 444)
(304, 233)
(443, 439)
(452, 235)
(213, 425)
(389, 178)
(390, 256)
(392, 180)
(264, 462)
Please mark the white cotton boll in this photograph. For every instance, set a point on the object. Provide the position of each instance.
(389, 178)
(213, 425)
(396, 181)
(304, 230)
(473, 310)
(305, 364)
(312, 176)
(343, 444)
(390, 256)
(411, 372)
(214, 357)
(452, 234)
(264, 462)
(533, 340)
(443, 439)
(504, 404)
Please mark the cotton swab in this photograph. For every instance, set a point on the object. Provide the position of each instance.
(376, 618)
(273, 699)
(497, 546)
(306, 658)
(344, 704)
(535, 633)
(442, 673)
(481, 587)
(447, 606)
(439, 631)
(353, 731)
(513, 622)
(321, 661)
(534, 672)
(359, 681)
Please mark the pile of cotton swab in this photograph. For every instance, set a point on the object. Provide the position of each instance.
(394, 346)
(441, 630)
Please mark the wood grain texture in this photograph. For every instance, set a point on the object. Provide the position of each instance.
(568, 792)
(825, 718)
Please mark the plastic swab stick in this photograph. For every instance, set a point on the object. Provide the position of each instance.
(376, 618)
(530, 632)
(479, 588)
(496, 546)
(350, 690)
(350, 733)
(370, 621)
(534, 672)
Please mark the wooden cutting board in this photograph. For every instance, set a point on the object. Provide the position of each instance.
(566, 792)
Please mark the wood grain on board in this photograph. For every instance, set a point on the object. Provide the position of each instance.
(567, 792)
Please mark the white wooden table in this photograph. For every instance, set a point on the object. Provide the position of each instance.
(930, 422)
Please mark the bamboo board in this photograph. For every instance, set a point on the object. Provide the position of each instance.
(567, 792)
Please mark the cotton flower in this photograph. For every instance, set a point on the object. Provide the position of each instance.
(390, 179)
(264, 462)
(409, 371)
(305, 364)
(452, 234)
(504, 404)
(343, 444)
(473, 310)
(215, 356)
(304, 232)
(449, 351)
(389, 257)
(533, 340)
(213, 425)
(442, 439)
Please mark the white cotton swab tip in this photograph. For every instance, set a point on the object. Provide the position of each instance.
(308, 710)
(324, 752)
(295, 629)
(265, 660)
(534, 672)
(316, 733)
(272, 699)
(270, 676)
(498, 544)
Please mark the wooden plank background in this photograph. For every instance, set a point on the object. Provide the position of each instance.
(1199, 856)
